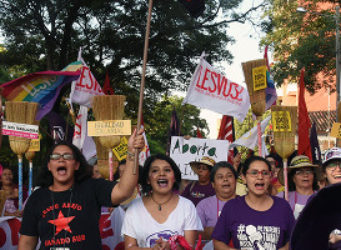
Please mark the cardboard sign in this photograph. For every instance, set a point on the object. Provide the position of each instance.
(259, 78)
(34, 145)
(336, 130)
(281, 121)
(20, 130)
(184, 151)
(109, 127)
(120, 151)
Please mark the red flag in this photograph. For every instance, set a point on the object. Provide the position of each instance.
(226, 132)
(304, 124)
(106, 88)
(199, 135)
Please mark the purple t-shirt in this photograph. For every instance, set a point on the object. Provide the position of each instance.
(209, 210)
(197, 192)
(256, 230)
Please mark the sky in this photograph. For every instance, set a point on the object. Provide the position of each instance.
(245, 48)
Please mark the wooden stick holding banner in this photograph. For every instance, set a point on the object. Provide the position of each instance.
(255, 78)
(284, 119)
(143, 77)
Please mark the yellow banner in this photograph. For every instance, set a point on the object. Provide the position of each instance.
(34, 145)
(120, 151)
(281, 121)
(259, 78)
(336, 130)
(110, 127)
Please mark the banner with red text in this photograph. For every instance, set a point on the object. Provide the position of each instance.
(210, 89)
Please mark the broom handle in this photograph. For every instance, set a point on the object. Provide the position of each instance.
(111, 166)
(145, 55)
(259, 136)
(285, 175)
(20, 191)
(30, 178)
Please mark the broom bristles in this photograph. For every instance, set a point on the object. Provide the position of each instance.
(285, 141)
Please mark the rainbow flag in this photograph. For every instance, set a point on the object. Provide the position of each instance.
(41, 87)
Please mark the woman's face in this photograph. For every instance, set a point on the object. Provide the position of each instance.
(62, 165)
(303, 178)
(161, 177)
(257, 178)
(203, 172)
(7, 177)
(272, 162)
(224, 183)
(333, 171)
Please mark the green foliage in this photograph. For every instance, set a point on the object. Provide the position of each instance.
(301, 41)
(158, 123)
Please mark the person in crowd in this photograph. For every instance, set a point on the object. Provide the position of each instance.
(302, 182)
(10, 194)
(201, 189)
(237, 165)
(257, 220)
(150, 221)
(223, 178)
(276, 163)
(65, 211)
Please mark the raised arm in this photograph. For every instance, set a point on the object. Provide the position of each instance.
(128, 181)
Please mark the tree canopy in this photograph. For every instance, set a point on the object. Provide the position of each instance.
(301, 41)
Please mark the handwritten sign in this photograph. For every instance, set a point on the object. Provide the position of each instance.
(184, 151)
(281, 121)
(109, 127)
(20, 130)
(120, 151)
(259, 78)
(34, 145)
(336, 130)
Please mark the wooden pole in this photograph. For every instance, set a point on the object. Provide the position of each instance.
(145, 56)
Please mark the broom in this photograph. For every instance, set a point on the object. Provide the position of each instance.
(257, 96)
(284, 119)
(109, 107)
(20, 112)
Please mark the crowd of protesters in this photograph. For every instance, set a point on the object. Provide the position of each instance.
(231, 206)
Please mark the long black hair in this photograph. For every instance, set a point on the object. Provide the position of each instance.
(146, 188)
(83, 172)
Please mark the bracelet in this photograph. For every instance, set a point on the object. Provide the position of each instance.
(130, 156)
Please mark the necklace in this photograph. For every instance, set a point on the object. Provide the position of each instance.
(161, 204)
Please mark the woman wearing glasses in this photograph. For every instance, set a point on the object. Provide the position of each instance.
(257, 220)
(302, 182)
(65, 211)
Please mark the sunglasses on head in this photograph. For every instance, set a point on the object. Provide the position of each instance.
(64, 156)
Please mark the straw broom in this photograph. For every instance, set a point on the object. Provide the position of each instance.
(109, 107)
(20, 112)
(284, 120)
(257, 97)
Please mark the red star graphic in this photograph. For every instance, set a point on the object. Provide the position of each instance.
(62, 222)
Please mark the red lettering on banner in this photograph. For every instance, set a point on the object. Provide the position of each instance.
(226, 84)
(207, 71)
(79, 83)
(3, 237)
(213, 74)
(105, 226)
(198, 82)
(78, 127)
(14, 224)
(237, 92)
(91, 81)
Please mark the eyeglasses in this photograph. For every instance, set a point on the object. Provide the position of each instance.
(333, 165)
(255, 173)
(64, 156)
(304, 171)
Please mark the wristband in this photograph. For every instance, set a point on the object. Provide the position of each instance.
(130, 156)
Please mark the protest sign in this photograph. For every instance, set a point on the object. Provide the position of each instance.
(184, 151)
(210, 89)
(336, 130)
(109, 127)
(20, 130)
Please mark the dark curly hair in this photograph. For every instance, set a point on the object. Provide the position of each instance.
(84, 171)
(147, 188)
(252, 159)
(222, 164)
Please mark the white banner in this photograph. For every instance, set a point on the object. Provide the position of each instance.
(184, 151)
(210, 89)
(80, 127)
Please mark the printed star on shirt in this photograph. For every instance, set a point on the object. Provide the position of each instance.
(62, 222)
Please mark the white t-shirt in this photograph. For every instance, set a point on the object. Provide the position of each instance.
(140, 225)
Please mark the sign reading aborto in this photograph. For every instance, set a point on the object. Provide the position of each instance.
(109, 127)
